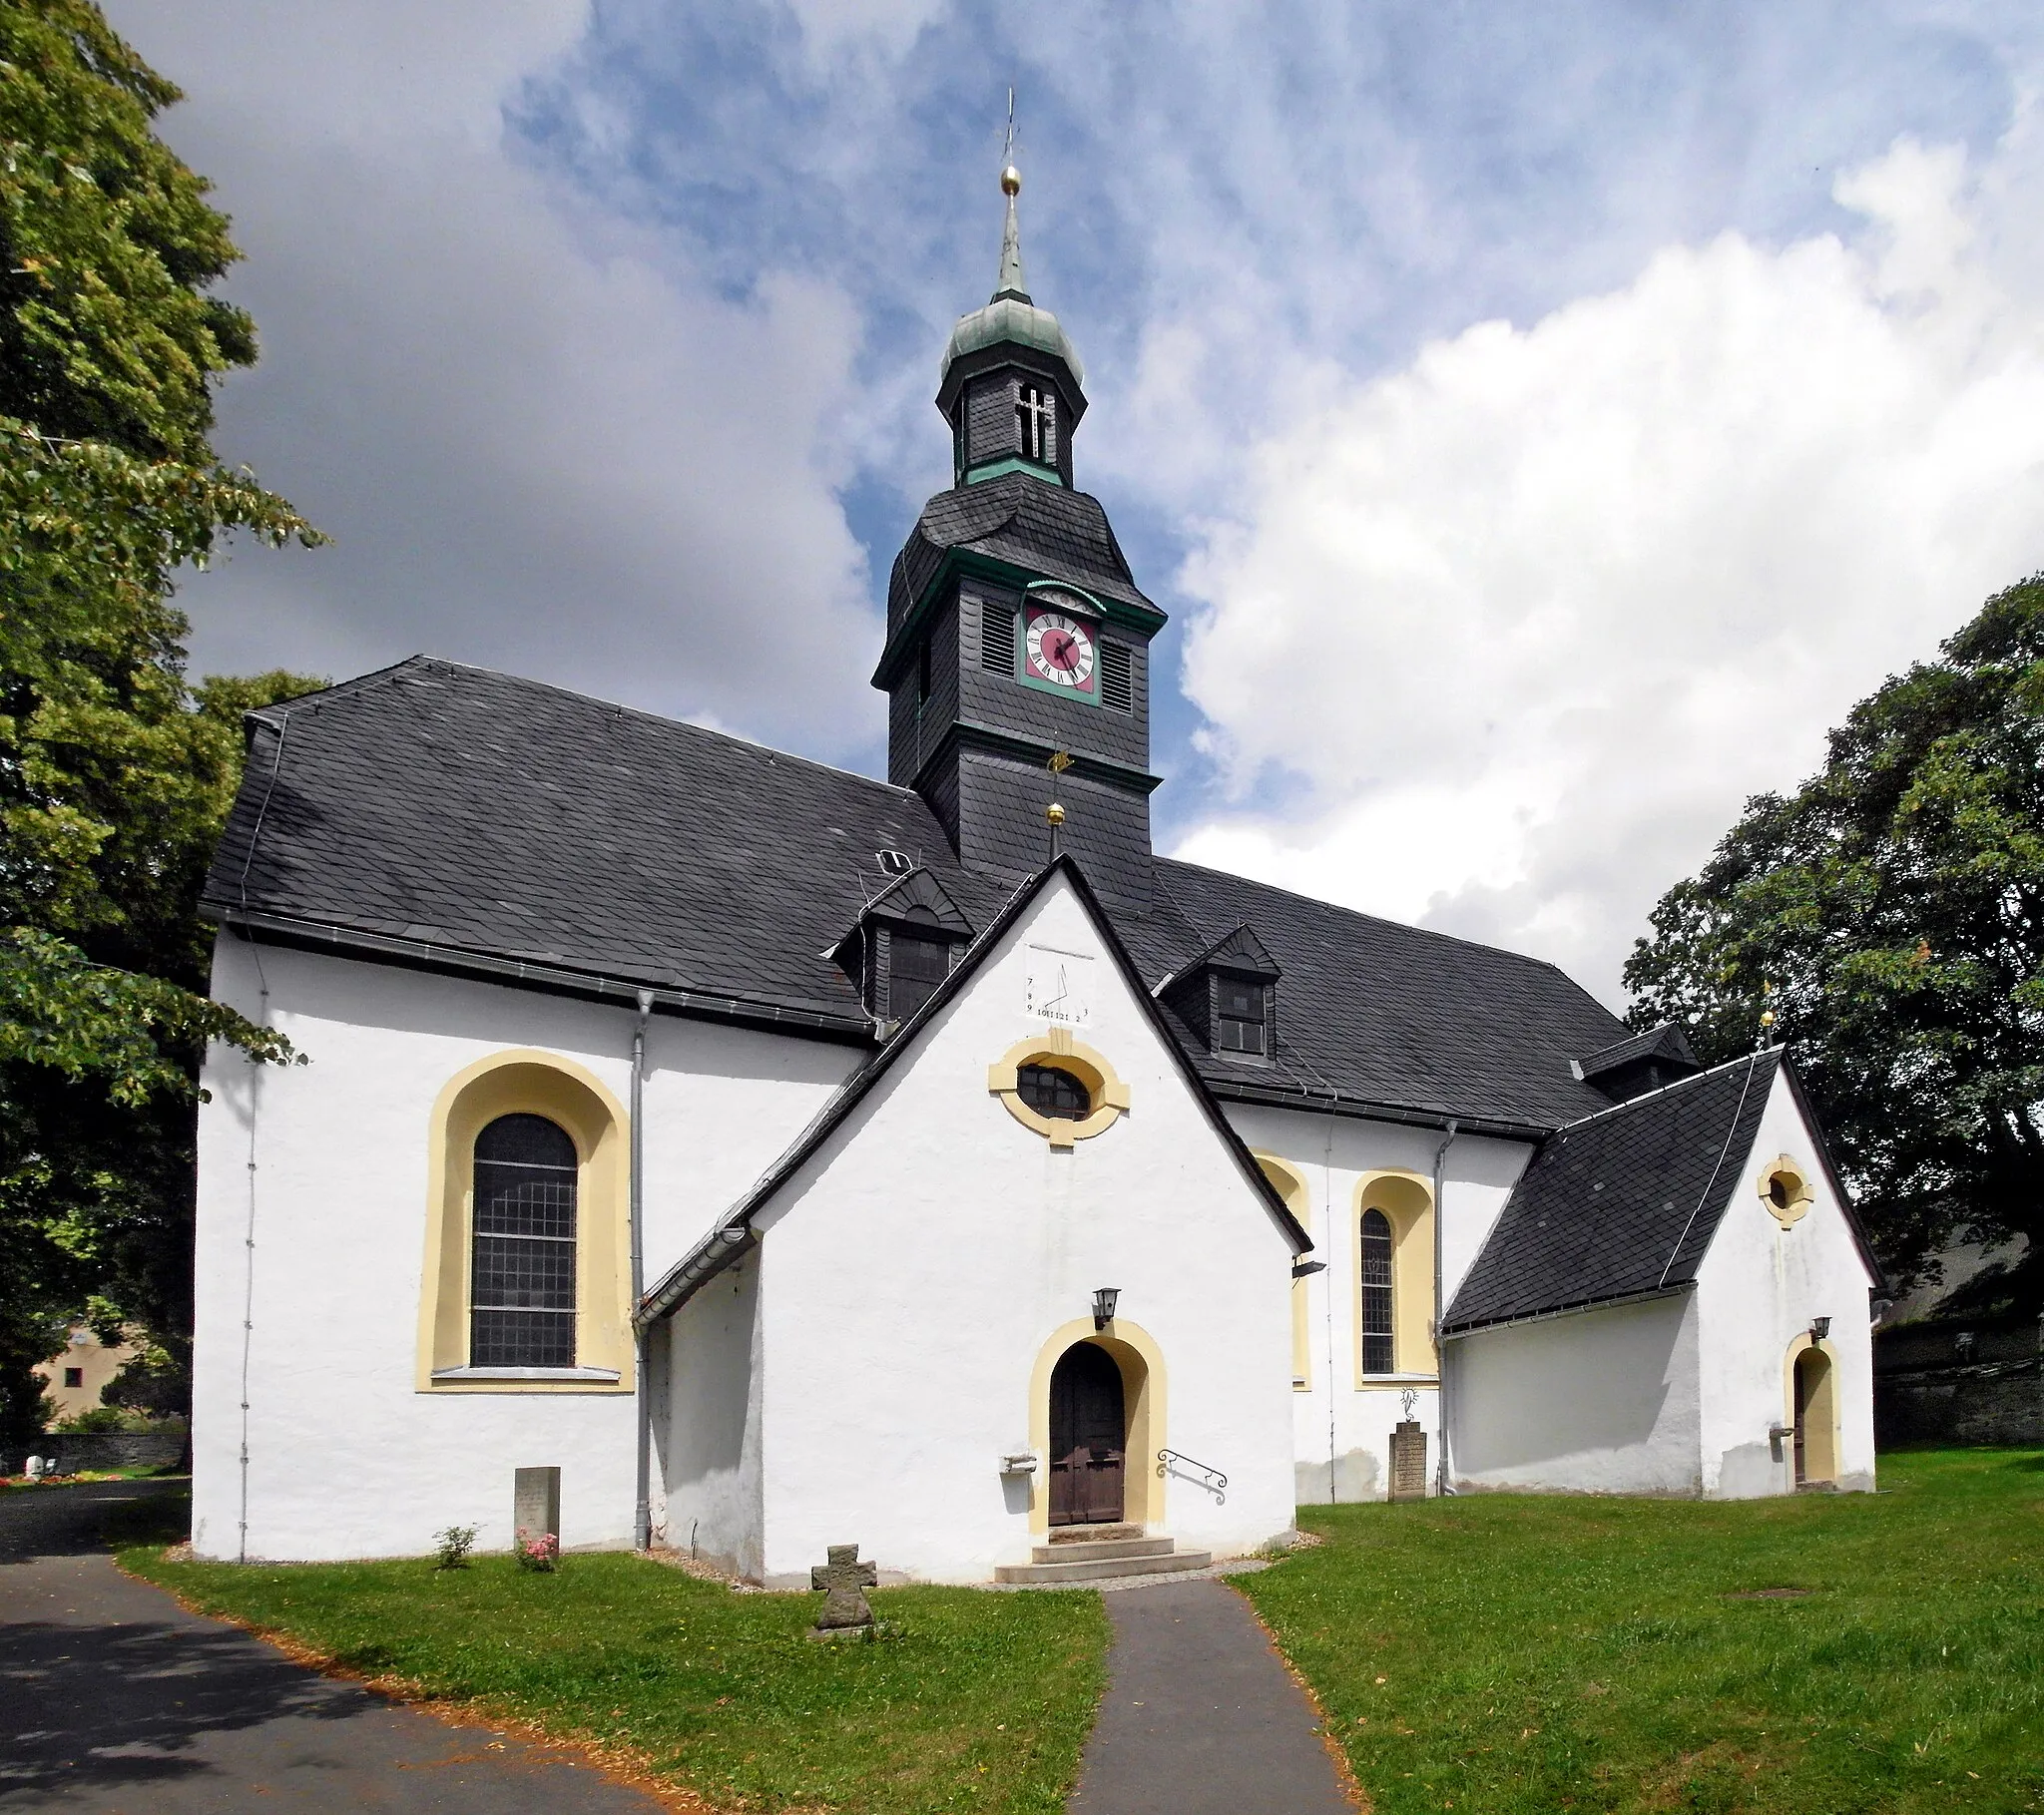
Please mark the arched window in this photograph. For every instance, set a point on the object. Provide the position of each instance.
(522, 1277)
(1376, 1293)
(1051, 1092)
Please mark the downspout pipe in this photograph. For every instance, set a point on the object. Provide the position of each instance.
(1440, 1310)
(642, 1510)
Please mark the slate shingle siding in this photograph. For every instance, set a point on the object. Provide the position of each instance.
(496, 815)
(1049, 529)
(1623, 1204)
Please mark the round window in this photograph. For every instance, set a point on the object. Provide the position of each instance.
(1051, 1090)
(1784, 1189)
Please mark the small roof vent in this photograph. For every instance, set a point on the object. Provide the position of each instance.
(895, 863)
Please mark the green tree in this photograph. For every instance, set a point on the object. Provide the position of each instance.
(1892, 914)
(115, 771)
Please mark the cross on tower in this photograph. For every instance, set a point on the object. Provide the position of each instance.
(1033, 410)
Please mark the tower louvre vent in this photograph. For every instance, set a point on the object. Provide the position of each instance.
(1117, 684)
(997, 639)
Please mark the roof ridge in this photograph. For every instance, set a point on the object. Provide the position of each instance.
(615, 705)
(1403, 926)
(1632, 1103)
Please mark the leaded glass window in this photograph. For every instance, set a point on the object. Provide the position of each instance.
(522, 1280)
(916, 964)
(1050, 1091)
(1240, 1014)
(1376, 1293)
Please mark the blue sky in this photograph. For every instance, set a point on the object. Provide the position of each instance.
(1540, 423)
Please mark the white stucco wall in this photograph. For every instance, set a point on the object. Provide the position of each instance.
(1759, 1287)
(918, 1266)
(1341, 1423)
(345, 1457)
(1597, 1402)
(709, 1445)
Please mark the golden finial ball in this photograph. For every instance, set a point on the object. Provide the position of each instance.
(1011, 181)
(1766, 1018)
(1054, 813)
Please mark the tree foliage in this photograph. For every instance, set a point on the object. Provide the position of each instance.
(116, 773)
(1892, 913)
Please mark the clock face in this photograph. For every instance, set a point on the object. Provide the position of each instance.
(1059, 649)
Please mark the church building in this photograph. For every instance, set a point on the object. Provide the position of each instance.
(789, 1157)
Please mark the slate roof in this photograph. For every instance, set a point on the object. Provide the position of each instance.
(1049, 529)
(1666, 1042)
(453, 816)
(1389, 1015)
(1622, 1205)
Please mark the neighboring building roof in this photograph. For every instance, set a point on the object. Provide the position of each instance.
(449, 817)
(734, 1232)
(1622, 1205)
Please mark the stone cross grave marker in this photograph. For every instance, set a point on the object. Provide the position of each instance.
(842, 1579)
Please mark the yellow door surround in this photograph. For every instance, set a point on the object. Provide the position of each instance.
(1141, 1361)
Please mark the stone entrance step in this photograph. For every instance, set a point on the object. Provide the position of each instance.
(1095, 1559)
(1108, 1547)
(1094, 1533)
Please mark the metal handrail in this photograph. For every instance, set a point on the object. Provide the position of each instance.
(1215, 1483)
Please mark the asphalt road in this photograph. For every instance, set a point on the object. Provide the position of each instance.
(116, 1702)
(1201, 1716)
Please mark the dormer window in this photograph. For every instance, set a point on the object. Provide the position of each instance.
(1238, 1005)
(904, 944)
(1228, 997)
(1035, 417)
(916, 962)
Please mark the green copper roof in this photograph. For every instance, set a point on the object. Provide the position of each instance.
(1010, 317)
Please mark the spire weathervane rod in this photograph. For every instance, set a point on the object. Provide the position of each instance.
(1010, 282)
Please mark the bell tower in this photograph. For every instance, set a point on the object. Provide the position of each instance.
(1015, 630)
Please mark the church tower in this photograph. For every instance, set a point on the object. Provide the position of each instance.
(1015, 630)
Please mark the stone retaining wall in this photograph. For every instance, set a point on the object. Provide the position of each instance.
(80, 1451)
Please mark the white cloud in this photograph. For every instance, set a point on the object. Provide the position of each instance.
(540, 441)
(1532, 616)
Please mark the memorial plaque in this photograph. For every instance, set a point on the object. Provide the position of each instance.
(1408, 1460)
(536, 1502)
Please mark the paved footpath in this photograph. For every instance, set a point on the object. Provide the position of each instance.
(116, 1702)
(1201, 1716)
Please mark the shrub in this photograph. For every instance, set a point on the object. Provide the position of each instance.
(542, 1552)
(452, 1547)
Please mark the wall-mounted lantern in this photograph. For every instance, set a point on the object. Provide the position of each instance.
(1819, 1328)
(1102, 1305)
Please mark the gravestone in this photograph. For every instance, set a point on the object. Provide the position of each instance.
(842, 1579)
(536, 1502)
(1408, 1460)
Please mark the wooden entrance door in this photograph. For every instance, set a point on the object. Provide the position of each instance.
(1088, 1438)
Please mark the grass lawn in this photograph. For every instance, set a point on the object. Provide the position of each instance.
(1518, 1653)
(970, 1702)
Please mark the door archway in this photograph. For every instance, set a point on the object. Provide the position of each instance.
(1815, 1405)
(1140, 1361)
(1089, 1438)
